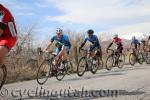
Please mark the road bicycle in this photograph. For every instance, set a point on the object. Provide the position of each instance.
(86, 64)
(136, 56)
(115, 59)
(48, 69)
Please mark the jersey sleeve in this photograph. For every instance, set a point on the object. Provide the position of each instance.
(113, 40)
(119, 40)
(66, 38)
(53, 38)
(83, 43)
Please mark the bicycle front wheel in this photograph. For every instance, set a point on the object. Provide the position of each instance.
(69, 67)
(61, 71)
(43, 72)
(81, 66)
(132, 59)
(148, 58)
(109, 62)
(3, 75)
(121, 61)
(140, 58)
(94, 65)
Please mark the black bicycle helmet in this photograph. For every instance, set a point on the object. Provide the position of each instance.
(90, 31)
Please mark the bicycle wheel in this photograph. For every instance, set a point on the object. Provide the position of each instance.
(61, 71)
(140, 58)
(132, 59)
(69, 67)
(3, 75)
(81, 66)
(148, 58)
(44, 72)
(121, 61)
(94, 65)
(109, 62)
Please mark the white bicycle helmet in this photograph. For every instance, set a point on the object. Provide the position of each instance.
(115, 36)
(143, 40)
(59, 31)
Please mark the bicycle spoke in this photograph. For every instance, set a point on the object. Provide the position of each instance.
(94, 65)
(43, 72)
(81, 67)
(121, 61)
(132, 59)
(109, 62)
(61, 72)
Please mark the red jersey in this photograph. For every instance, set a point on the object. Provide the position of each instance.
(6, 18)
(9, 38)
(117, 41)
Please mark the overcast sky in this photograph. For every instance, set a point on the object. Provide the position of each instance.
(112, 16)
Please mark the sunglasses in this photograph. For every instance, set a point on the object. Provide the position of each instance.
(1, 13)
(58, 33)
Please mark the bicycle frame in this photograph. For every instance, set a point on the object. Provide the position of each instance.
(87, 53)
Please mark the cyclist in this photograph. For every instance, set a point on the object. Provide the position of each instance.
(148, 44)
(143, 45)
(95, 47)
(118, 42)
(135, 44)
(63, 45)
(8, 32)
(144, 48)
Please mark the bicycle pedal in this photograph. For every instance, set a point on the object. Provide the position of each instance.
(120, 60)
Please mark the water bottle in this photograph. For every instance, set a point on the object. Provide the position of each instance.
(94, 61)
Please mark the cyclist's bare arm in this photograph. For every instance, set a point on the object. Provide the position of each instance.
(83, 43)
(48, 46)
(109, 45)
(62, 50)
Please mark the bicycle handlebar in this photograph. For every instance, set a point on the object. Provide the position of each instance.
(83, 49)
(50, 52)
(110, 50)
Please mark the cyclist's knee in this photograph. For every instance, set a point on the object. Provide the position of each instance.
(3, 53)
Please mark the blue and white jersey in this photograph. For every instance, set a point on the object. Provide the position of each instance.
(64, 40)
(93, 39)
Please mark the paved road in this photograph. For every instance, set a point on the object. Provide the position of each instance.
(128, 83)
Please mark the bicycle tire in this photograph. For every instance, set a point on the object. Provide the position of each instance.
(61, 72)
(40, 77)
(111, 63)
(123, 61)
(148, 60)
(134, 60)
(96, 65)
(140, 58)
(69, 67)
(84, 67)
